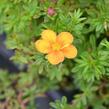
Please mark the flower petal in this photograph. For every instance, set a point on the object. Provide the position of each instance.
(49, 35)
(55, 57)
(70, 51)
(65, 38)
(42, 46)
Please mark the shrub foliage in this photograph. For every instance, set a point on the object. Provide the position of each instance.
(88, 21)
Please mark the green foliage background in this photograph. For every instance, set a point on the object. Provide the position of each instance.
(88, 21)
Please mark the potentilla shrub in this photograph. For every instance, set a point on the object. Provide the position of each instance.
(57, 40)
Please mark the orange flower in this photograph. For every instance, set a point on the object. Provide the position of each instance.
(56, 47)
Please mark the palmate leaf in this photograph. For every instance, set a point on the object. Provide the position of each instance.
(76, 16)
(99, 20)
(91, 67)
(57, 72)
(72, 22)
(60, 104)
(20, 18)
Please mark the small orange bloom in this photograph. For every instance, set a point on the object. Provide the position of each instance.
(56, 47)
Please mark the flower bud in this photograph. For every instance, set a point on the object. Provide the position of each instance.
(51, 11)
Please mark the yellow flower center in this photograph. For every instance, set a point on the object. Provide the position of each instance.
(56, 46)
